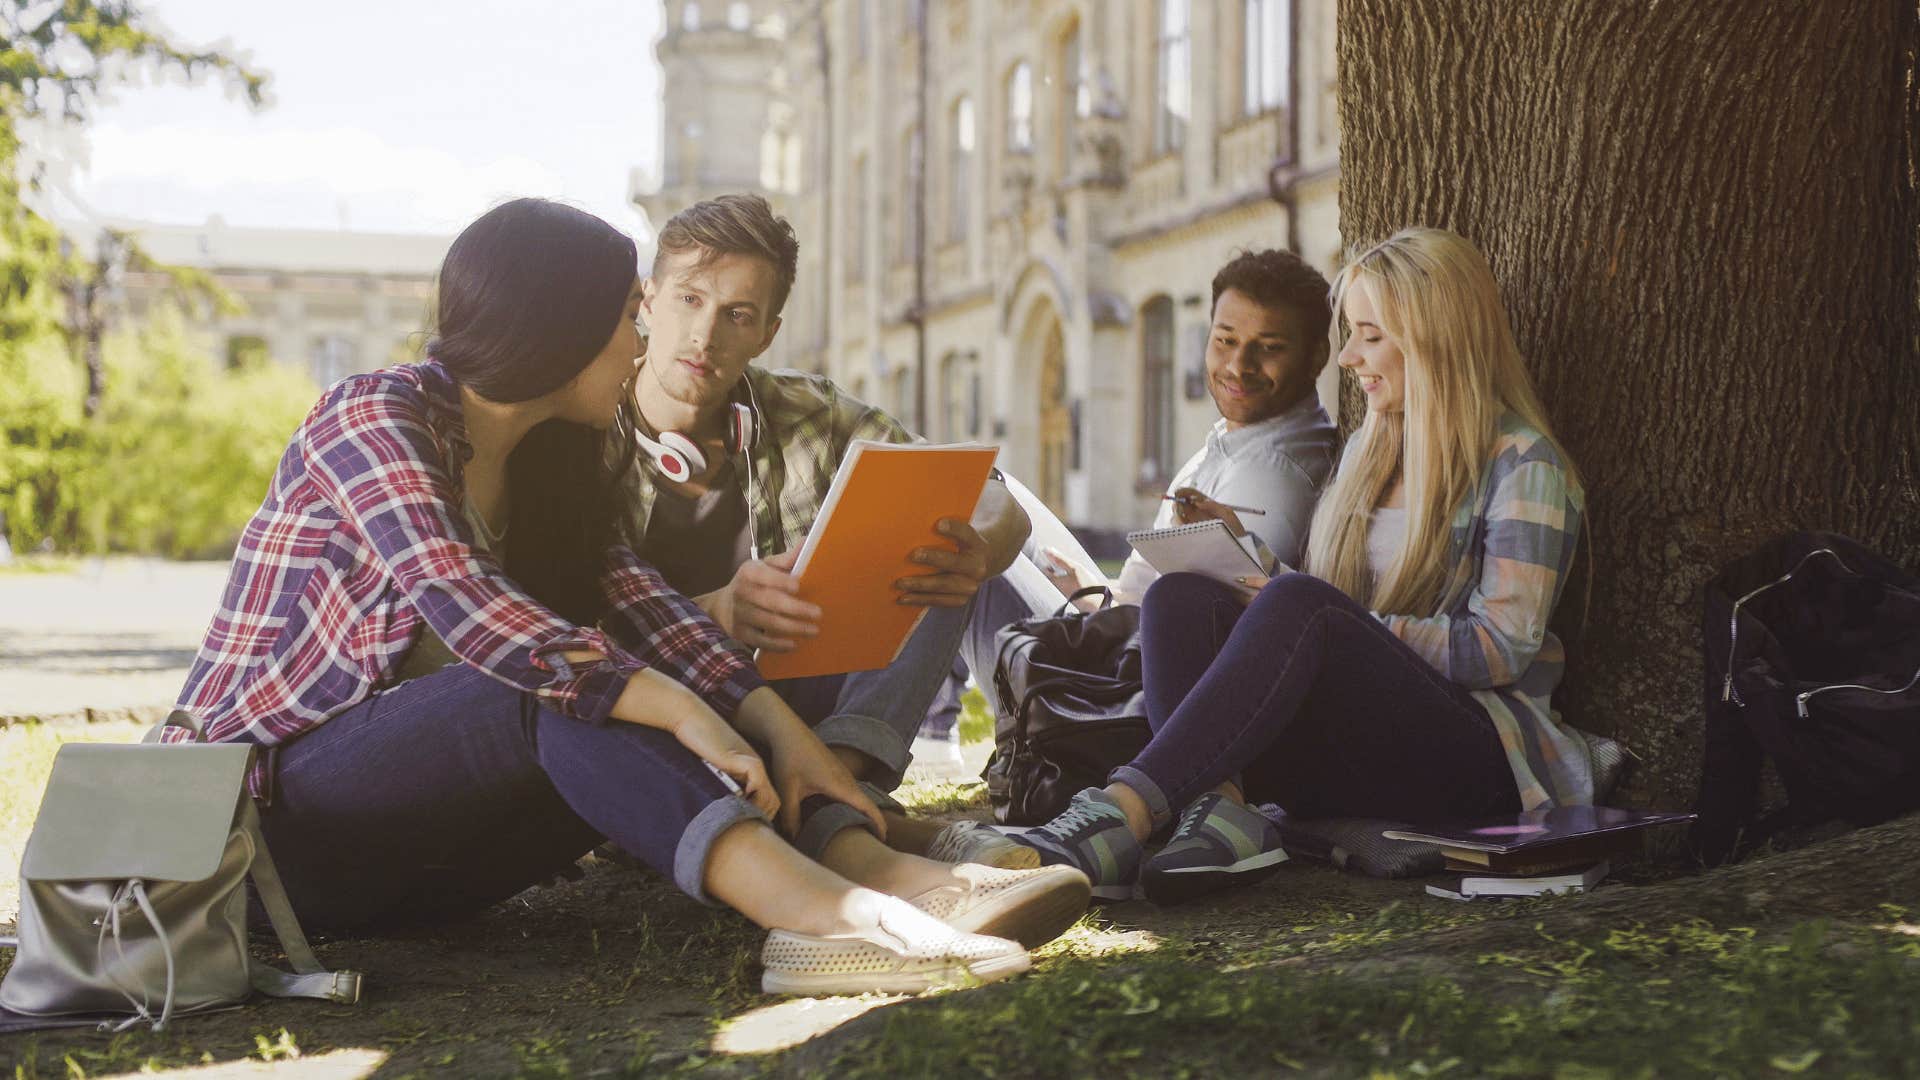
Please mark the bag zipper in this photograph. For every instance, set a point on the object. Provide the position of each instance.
(1805, 694)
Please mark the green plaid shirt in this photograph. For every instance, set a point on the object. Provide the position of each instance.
(806, 424)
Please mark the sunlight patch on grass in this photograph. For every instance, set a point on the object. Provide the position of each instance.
(942, 796)
(1093, 936)
(791, 1022)
(26, 757)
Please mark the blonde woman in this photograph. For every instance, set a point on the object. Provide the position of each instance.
(1407, 674)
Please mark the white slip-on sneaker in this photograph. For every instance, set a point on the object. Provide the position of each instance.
(906, 953)
(977, 842)
(1031, 907)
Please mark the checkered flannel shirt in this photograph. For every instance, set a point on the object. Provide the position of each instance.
(361, 541)
(1512, 551)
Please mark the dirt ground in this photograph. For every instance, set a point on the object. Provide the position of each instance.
(617, 973)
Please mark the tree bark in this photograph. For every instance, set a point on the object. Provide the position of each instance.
(1703, 218)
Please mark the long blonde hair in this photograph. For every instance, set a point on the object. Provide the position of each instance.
(1436, 298)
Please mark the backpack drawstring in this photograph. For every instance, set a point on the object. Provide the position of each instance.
(136, 890)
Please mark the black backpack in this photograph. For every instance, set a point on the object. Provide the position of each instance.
(1813, 660)
(1068, 707)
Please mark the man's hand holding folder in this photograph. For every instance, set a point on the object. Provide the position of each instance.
(761, 607)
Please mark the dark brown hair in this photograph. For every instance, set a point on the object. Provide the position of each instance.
(734, 225)
(1279, 279)
(529, 294)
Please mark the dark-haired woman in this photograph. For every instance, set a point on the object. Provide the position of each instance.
(462, 687)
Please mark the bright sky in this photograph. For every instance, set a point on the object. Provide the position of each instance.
(387, 115)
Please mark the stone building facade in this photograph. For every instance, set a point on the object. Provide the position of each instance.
(334, 302)
(1010, 210)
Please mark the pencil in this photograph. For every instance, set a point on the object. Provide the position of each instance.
(1186, 501)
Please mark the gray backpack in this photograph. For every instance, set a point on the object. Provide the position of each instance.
(133, 899)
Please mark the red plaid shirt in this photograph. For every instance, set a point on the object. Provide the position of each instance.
(360, 541)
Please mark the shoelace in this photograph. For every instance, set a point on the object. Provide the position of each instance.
(1190, 821)
(1078, 815)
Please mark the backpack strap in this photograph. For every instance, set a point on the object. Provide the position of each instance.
(311, 979)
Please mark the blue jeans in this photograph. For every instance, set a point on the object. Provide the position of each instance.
(1311, 703)
(452, 792)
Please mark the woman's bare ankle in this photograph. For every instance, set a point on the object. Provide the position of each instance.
(861, 858)
(1139, 815)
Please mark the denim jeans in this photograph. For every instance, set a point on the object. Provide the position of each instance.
(1311, 703)
(877, 712)
(451, 792)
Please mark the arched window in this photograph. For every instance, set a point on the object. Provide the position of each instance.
(1267, 33)
(960, 170)
(1158, 395)
(1076, 97)
(1020, 108)
(690, 16)
(739, 15)
(1172, 76)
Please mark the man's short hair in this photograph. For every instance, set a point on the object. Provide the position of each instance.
(734, 225)
(1279, 279)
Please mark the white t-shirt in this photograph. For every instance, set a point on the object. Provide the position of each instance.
(1278, 465)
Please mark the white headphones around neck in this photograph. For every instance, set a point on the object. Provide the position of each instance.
(678, 457)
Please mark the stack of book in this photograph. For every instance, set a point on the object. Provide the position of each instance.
(1562, 849)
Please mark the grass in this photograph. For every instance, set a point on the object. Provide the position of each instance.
(26, 757)
(1283, 981)
(27, 565)
(1686, 1000)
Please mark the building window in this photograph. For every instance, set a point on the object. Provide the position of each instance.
(1172, 77)
(1268, 31)
(907, 239)
(863, 17)
(1020, 108)
(333, 357)
(960, 171)
(960, 396)
(857, 210)
(1076, 97)
(690, 16)
(1158, 396)
(246, 352)
(739, 15)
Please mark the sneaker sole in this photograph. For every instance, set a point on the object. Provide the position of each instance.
(805, 984)
(1178, 884)
(1032, 913)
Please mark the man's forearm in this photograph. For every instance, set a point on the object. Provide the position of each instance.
(764, 716)
(1002, 524)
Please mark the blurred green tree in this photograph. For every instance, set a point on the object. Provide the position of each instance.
(123, 439)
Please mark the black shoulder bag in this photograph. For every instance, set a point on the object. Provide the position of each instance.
(1068, 707)
(1813, 660)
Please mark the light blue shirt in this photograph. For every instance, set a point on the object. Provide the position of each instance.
(1279, 465)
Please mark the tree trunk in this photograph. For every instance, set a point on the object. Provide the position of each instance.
(1703, 218)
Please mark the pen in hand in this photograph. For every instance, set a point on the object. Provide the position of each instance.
(1185, 500)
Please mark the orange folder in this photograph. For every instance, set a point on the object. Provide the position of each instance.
(885, 501)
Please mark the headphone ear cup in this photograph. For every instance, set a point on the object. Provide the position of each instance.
(744, 429)
(690, 459)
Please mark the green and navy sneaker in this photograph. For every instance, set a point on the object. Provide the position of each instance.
(1218, 843)
(1091, 834)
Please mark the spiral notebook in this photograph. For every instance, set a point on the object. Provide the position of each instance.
(1204, 547)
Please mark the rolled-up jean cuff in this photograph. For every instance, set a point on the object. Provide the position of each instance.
(824, 824)
(871, 737)
(882, 799)
(1150, 792)
(696, 843)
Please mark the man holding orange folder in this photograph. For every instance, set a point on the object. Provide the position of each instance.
(734, 463)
